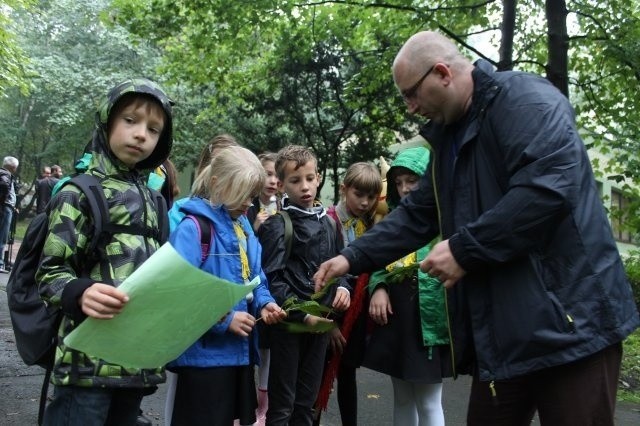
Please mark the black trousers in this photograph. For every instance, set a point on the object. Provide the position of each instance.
(580, 393)
(295, 373)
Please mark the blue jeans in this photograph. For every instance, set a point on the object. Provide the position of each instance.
(79, 406)
(5, 225)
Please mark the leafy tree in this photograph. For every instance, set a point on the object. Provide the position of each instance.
(12, 58)
(73, 59)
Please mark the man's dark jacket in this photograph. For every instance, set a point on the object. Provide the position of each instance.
(6, 179)
(519, 205)
(44, 188)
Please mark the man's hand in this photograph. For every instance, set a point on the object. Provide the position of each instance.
(102, 301)
(342, 300)
(441, 264)
(334, 267)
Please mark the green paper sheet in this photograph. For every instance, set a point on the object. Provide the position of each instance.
(171, 304)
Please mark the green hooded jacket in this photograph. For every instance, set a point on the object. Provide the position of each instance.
(70, 227)
(431, 292)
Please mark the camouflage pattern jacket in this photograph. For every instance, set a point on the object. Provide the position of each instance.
(64, 255)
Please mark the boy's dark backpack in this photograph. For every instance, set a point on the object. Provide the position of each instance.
(35, 323)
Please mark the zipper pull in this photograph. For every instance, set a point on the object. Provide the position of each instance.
(572, 325)
(494, 393)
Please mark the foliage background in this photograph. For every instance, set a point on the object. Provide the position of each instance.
(315, 73)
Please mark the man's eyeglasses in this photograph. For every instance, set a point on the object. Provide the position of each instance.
(410, 93)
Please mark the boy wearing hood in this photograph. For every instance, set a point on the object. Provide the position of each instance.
(133, 134)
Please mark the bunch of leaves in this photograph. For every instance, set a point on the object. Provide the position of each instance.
(397, 275)
(310, 307)
(400, 274)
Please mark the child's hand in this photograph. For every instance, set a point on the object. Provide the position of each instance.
(337, 342)
(102, 301)
(242, 323)
(312, 320)
(342, 300)
(380, 306)
(272, 313)
(260, 218)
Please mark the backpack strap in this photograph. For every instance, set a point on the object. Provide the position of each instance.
(288, 233)
(163, 215)
(90, 186)
(205, 230)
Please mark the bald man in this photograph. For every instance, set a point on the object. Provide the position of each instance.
(537, 296)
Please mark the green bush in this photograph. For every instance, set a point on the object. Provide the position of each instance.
(629, 383)
(630, 371)
(632, 267)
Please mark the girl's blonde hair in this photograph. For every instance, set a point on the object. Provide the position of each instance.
(365, 177)
(239, 176)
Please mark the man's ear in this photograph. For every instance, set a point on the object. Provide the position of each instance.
(444, 72)
(280, 186)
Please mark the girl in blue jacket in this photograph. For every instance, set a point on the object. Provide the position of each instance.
(215, 375)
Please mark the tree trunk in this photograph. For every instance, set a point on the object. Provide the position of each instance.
(557, 44)
(507, 29)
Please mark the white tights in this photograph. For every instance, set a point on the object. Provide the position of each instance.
(417, 404)
(263, 370)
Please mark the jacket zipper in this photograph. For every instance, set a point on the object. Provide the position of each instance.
(494, 393)
(446, 301)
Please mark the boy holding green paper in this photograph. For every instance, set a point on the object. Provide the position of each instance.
(133, 134)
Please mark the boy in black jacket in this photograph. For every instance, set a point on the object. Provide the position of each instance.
(292, 391)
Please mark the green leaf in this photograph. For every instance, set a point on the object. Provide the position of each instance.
(320, 327)
(402, 273)
(324, 290)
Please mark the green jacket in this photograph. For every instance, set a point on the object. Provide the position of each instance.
(431, 293)
(64, 255)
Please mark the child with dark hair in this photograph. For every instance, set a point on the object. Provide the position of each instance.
(297, 358)
(133, 135)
